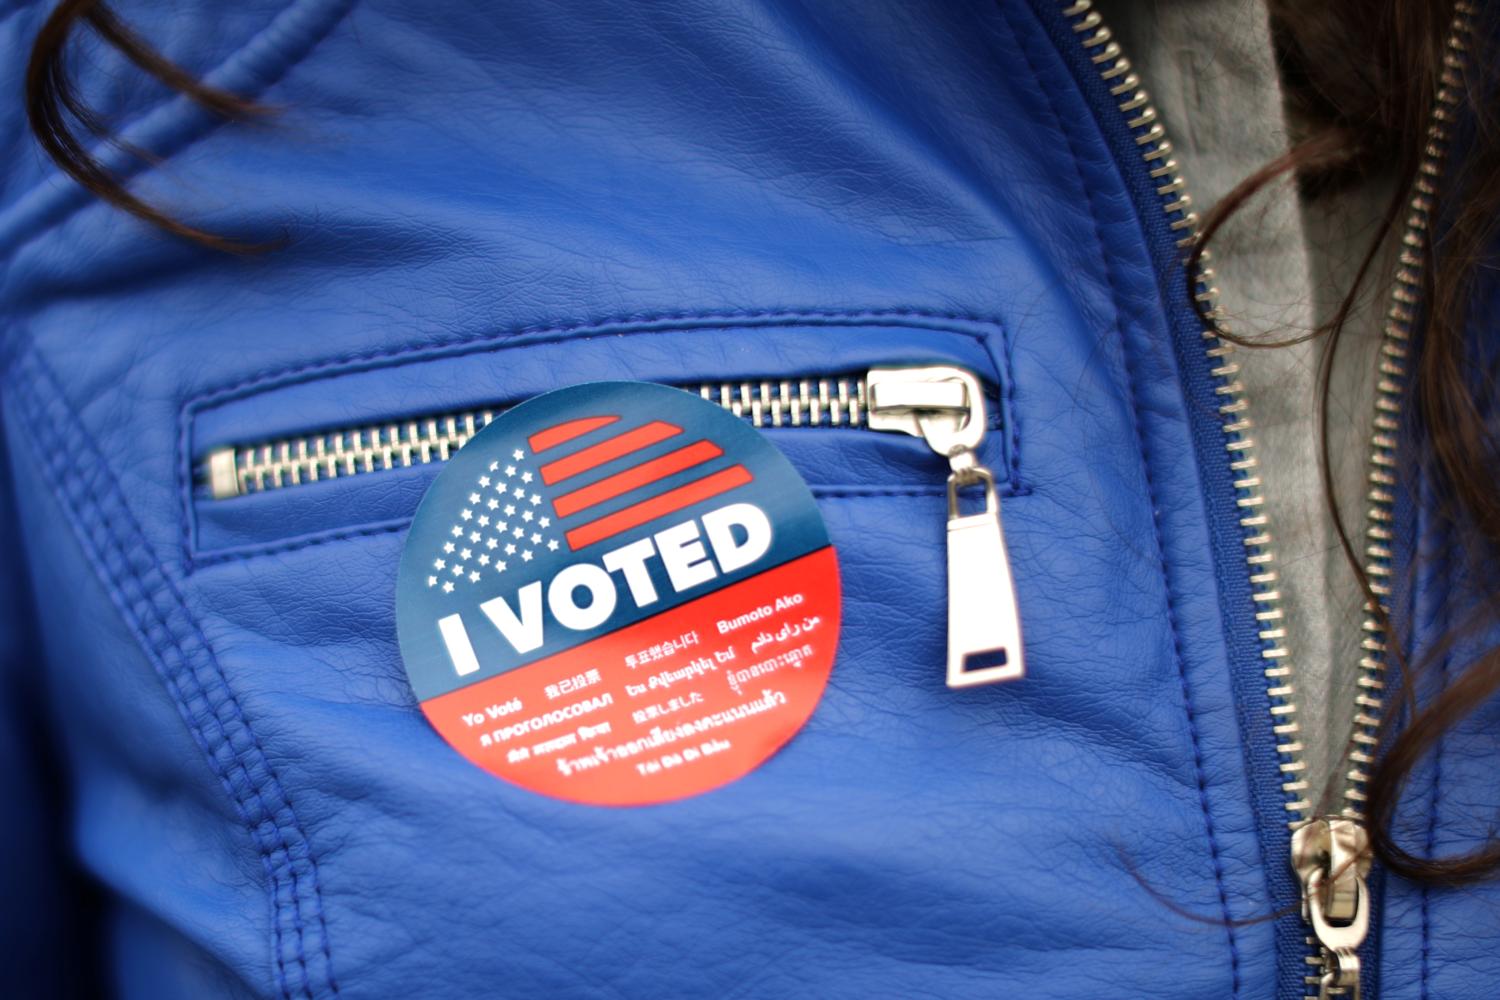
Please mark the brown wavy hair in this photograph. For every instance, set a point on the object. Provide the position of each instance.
(1362, 76)
(63, 124)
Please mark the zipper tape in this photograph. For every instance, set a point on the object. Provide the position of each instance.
(400, 380)
(477, 373)
(238, 471)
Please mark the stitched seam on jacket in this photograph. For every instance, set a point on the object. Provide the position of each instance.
(649, 323)
(1147, 464)
(32, 412)
(62, 462)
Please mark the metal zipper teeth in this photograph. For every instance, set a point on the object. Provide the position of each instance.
(1135, 103)
(232, 472)
(1395, 349)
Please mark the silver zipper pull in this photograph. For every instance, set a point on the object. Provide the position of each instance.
(1332, 859)
(944, 405)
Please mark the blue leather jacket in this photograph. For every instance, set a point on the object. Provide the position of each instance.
(203, 707)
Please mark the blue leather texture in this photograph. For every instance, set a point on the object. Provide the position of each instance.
(479, 202)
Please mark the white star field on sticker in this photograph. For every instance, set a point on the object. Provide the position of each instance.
(505, 480)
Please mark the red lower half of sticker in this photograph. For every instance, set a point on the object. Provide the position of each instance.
(672, 706)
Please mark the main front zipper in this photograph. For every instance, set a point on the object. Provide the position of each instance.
(1330, 854)
(942, 404)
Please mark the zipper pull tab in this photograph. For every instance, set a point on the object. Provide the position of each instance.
(944, 405)
(1332, 859)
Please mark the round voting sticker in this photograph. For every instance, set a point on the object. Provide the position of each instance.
(618, 594)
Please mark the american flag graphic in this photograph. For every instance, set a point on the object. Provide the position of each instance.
(542, 498)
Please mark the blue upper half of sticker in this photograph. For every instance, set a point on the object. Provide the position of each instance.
(583, 511)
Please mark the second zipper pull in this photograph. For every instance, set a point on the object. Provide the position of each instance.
(944, 405)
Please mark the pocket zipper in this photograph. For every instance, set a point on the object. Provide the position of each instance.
(942, 404)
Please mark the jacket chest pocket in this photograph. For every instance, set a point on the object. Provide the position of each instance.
(285, 468)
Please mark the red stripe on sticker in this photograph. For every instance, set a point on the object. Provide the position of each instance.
(565, 432)
(608, 450)
(658, 506)
(635, 477)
